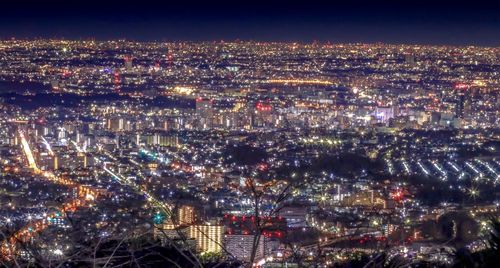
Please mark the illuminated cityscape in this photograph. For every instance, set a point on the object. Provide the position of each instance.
(245, 153)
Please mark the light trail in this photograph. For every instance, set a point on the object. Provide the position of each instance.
(440, 169)
(165, 208)
(406, 167)
(150, 198)
(454, 166)
(28, 153)
(47, 145)
(138, 189)
(85, 194)
(487, 166)
(474, 168)
(78, 148)
(423, 168)
(32, 164)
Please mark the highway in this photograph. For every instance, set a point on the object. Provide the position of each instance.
(86, 195)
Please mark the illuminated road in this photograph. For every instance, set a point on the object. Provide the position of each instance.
(8, 247)
(28, 153)
(86, 194)
(47, 145)
(166, 209)
(140, 190)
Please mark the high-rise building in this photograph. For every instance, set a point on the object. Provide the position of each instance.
(208, 237)
(204, 113)
(168, 233)
(186, 215)
(241, 246)
(463, 104)
(160, 139)
(383, 114)
(118, 124)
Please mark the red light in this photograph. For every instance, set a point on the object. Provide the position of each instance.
(263, 107)
(66, 73)
(398, 195)
(262, 166)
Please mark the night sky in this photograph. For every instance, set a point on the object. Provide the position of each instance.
(423, 22)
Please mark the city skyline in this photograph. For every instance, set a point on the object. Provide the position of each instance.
(425, 22)
(249, 134)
